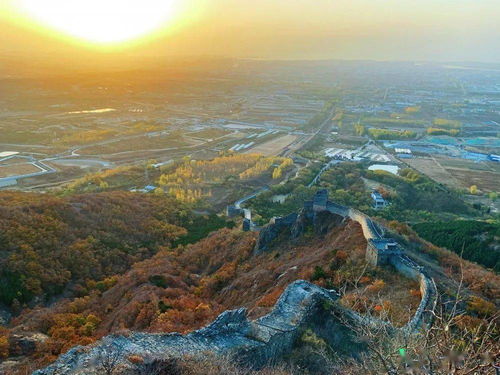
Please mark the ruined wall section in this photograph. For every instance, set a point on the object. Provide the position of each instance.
(254, 343)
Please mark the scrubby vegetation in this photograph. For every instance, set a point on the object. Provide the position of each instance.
(124, 261)
(447, 123)
(51, 245)
(191, 180)
(440, 131)
(413, 197)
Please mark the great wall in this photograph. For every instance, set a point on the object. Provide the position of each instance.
(302, 306)
(380, 250)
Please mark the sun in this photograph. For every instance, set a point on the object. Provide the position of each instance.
(102, 21)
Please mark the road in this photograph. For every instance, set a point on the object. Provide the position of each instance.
(323, 128)
(323, 170)
(239, 202)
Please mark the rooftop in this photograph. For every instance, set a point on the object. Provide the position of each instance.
(384, 244)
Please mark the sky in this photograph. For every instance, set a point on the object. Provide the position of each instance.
(430, 30)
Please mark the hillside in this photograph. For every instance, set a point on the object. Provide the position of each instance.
(182, 289)
(51, 245)
(477, 241)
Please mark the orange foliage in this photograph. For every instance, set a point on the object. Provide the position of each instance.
(376, 286)
(415, 293)
(270, 299)
(4, 347)
(135, 359)
(469, 323)
(365, 280)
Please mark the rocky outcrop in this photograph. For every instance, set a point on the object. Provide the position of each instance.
(293, 226)
(302, 305)
(255, 343)
(22, 344)
(269, 233)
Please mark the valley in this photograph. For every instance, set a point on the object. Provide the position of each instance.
(260, 213)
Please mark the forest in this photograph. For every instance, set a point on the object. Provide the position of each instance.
(413, 197)
(477, 241)
(53, 245)
(376, 133)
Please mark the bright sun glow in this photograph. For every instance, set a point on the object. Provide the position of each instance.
(102, 21)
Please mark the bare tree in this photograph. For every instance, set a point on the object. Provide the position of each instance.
(110, 357)
(447, 347)
(156, 366)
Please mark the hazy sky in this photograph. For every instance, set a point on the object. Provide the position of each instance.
(450, 30)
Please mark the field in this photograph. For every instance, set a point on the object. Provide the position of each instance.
(17, 169)
(459, 173)
(485, 181)
(137, 144)
(433, 169)
(273, 147)
(208, 134)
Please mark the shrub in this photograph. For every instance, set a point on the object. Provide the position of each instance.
(318, 273)
(158, 280)
(376, 286)
(169, 366)
(481, 306)
(4, 347)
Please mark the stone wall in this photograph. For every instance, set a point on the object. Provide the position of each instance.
(258, 342)
(254, 343)
(402, 263)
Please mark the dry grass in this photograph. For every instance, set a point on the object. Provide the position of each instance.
(434, 170)
(484, 180)
(17, 169)
(224, 366)
(273, 147)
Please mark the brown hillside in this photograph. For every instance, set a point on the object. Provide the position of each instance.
(183, 289)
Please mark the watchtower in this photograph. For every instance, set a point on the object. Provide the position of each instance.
(380, 250)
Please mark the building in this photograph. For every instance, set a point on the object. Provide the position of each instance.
(378, 201)
(232, 211)
(149, 188)
(493, 157)
(247, 225)
(320, 200)
(380, 250)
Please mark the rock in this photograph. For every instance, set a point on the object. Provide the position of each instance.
(5, 317)
(324, 221)
(25, 344)
(9, 365)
